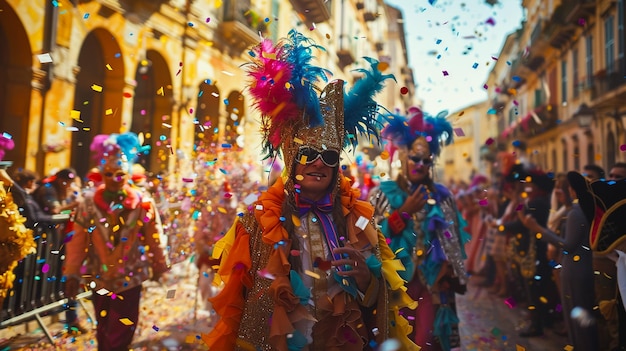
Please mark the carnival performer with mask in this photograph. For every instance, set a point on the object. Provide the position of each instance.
(305, 268)
(115, 232)
(424, 227)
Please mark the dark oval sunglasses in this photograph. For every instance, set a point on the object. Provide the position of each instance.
(329, 157)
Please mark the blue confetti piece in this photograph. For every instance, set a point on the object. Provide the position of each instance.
(438, 41)
(85, 16)
(475, 65)
(117, 55)
(516, 78)
(223, 171)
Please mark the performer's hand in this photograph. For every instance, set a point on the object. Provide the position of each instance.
(415, 202)
(356, 261)
(530, 222)
(71, 287)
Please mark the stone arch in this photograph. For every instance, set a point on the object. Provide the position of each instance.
(207, 113)
(98, 95)
(16, 74)
(152, 110)
(235, 116)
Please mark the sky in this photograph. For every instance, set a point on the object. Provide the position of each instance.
(452, 45)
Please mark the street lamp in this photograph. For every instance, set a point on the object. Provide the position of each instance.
(585, 115)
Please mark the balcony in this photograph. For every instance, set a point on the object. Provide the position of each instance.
(560, 29)
(542, 119)
(239, 25)
(578, 10)
(605, 83)
(313, 11)
(344, 51)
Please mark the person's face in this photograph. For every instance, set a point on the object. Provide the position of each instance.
(617, 173)
(114, 177)
(592, 175)
(419, 164)
(314, 171)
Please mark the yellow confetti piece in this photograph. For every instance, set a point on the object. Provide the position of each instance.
(109, 111)
(160, 91)
(382, 66)
(269, 55)
(109, 67)
(126, 321)
(383, 174)
(384, 155)
(221, 209)
(568, 348)
(116, 228)
(299, 177)
(576, 258)
(311, 274)
(543, 299)
(519, 347)
(190, 339)
(295, 220)
(103, 313)
(303, 159)
(75, 114)
(298, 141)
(96, 88)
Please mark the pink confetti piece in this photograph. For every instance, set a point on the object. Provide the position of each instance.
(459, 132)
(491, 21)
(445, 73)
(519, 207)
(489, 141)
(45, 268)
(622, 147)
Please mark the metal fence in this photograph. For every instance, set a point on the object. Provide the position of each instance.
(39, 284)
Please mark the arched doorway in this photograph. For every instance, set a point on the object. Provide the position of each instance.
(98, 96)
(15, 83)
(207, 114)
(234, 117)
(152, 110)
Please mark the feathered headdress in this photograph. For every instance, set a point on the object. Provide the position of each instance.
(125, 147)
(283, 87)
(402, 131)
(6, 143)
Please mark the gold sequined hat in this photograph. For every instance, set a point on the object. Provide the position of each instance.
(294, 113)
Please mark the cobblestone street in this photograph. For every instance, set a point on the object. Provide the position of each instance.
(487, 323)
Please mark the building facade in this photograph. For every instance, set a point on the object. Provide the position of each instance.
(563, 90)
(167, 70)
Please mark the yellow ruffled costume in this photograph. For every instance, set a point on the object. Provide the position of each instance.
(238, 274)
(16, 241)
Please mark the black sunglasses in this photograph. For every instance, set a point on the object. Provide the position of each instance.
(329, 157)
(421, 160)
(118, 174)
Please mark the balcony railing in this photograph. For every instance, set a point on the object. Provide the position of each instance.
(345, 53)
(579, 9)
(606, 82)
(240, 25)
(314, 11)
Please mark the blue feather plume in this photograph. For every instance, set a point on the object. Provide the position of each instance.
(440, 131)
(360, 109)
(304, 75)
(129, 145)
(397, 130)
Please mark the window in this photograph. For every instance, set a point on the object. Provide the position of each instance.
(575, 72)
(576, 155)
(609, 45)
(564, 81)
(620, 35)
(610, 149)
(589, 59)
(565, 155)
(554, 160)
(591, 157)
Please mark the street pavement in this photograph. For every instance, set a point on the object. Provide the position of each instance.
(169, 320)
